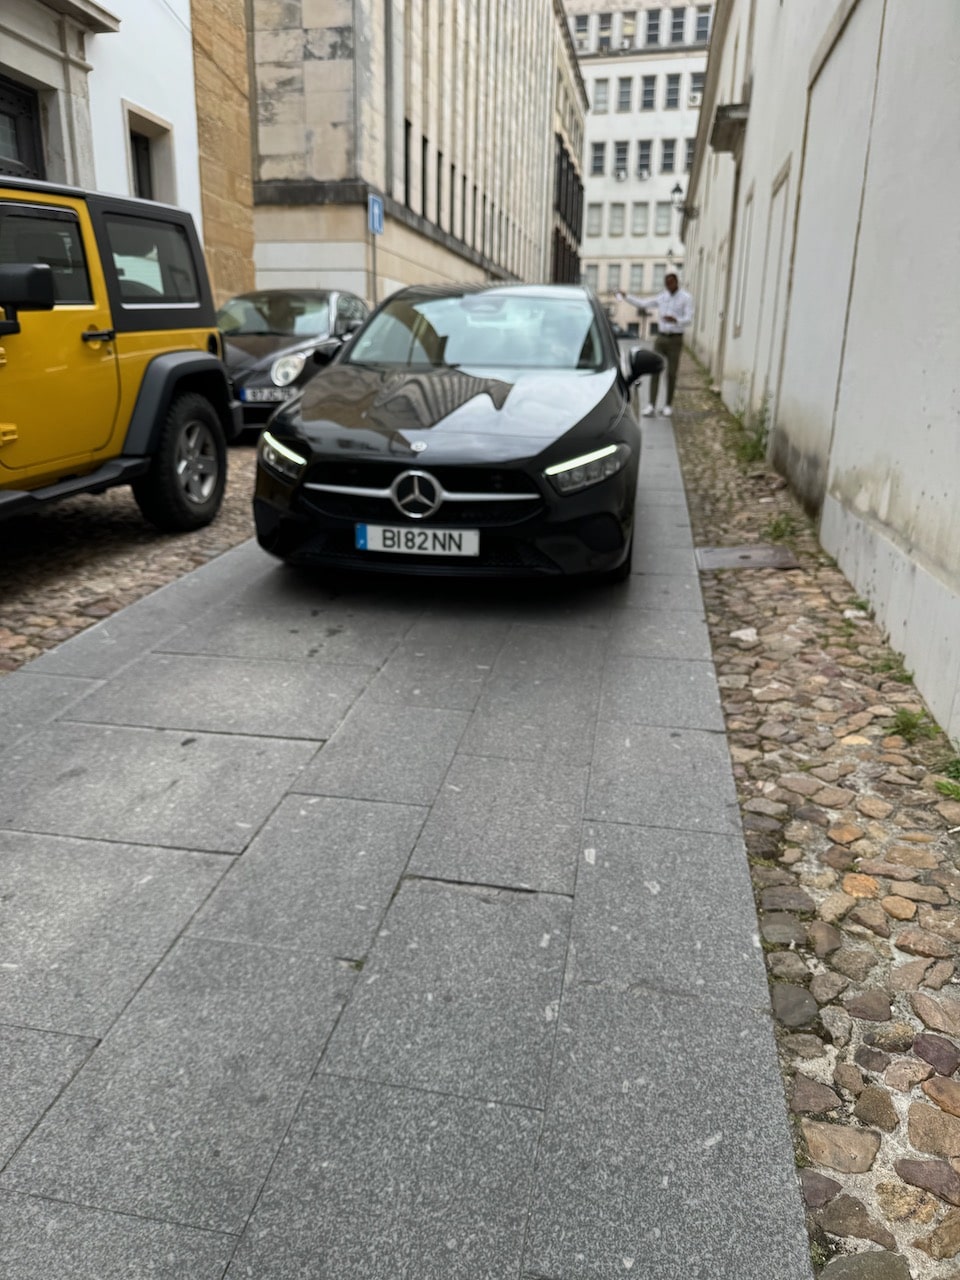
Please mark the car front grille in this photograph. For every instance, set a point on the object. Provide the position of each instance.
(475, 497)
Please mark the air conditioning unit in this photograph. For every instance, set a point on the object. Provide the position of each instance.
(695, 99)
(626, 44)
(621, 175)
(643, 174)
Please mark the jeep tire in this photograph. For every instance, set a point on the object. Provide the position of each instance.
(184, 487)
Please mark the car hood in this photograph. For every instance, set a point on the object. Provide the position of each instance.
(245, 352)
(451, 414)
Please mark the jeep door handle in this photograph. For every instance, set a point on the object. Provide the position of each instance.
(98, 335)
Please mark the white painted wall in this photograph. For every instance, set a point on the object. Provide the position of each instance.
(851, 162)
(149, 65)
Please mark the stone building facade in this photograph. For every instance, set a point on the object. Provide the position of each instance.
(825, 168)
(644, 67)
(444, 109)
(136, 97)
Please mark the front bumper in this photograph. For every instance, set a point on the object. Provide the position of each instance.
(584, 533)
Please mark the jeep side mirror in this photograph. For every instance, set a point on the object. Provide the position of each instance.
(24, 288)
(642, 362)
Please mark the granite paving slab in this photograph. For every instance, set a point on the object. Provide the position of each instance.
(651, 776)
(505, 822)
(146, 786)
(679, 561)
(459, 996)
(661, 691)
(669, 911)
(543, 732)
(44, 1238)
(29, 698)
(183, 1107)
(227, 695)
(417, 675)
(388, 753)
(661, 591)
(665, 1150)
(532, 652)
(317, 878)
(83, 923)
(289, 627)
(659, 633)
(107, 646)
(34, 1067)
(376, 1183)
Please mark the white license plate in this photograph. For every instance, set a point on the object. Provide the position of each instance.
(266, 395)
(417, 542)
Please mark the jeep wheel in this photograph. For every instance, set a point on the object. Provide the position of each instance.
(184, 487)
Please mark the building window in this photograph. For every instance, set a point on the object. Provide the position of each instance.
(605, 30)
(677, 24)
(636, 277)
(594, 219)
(598, 158)
(580, 32)
(601, 96)
(620, 154)
(688, 160)
(613, 277)
(591, 276)
(142, 168)
(617, 217)
(703, 23)
(668, 159)
(659, 272)
(640, 221)
(696, 87)
(644, 161)
(661, 226)
(21, 146)
(648, 93)
(673, 91)
(653, 26)
(628, 29)
(625, 93)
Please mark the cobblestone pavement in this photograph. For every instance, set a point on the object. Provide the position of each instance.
(854, 852)
(853, 837)
(82, 560)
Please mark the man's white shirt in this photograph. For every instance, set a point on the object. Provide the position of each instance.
(679, 305)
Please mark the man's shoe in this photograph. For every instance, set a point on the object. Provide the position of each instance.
(667, 411)
(648, 411)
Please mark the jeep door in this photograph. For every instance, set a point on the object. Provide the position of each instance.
(59, 381)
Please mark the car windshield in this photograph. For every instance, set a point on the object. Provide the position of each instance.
(276, 313)
(523, 331)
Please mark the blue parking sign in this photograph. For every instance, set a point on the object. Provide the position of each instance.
(375, 214)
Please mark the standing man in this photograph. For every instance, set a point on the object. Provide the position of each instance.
(675, 306)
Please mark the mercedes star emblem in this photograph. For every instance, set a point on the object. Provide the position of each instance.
(416, 494)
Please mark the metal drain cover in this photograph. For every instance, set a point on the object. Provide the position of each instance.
(756, 555)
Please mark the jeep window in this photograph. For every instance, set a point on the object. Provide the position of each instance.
(31, 235)
(153, 262)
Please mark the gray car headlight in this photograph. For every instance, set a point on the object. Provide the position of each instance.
(279, 457)
(288, 368)
(589, 468)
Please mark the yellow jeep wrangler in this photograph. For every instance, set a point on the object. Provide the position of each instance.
(110, 358)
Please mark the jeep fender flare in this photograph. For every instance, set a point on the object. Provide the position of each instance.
(167, 376)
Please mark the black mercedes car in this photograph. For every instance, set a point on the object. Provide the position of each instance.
(466, 430)
(275, 340)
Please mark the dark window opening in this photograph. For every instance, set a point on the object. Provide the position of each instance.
(142, 167)
(21, 143)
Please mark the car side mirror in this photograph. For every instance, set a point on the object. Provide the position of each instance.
(324, 351)
(24, 288)
(644, 361)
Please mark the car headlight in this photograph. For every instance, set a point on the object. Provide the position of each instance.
(279, 457)
(288, 368)
(588, 469)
